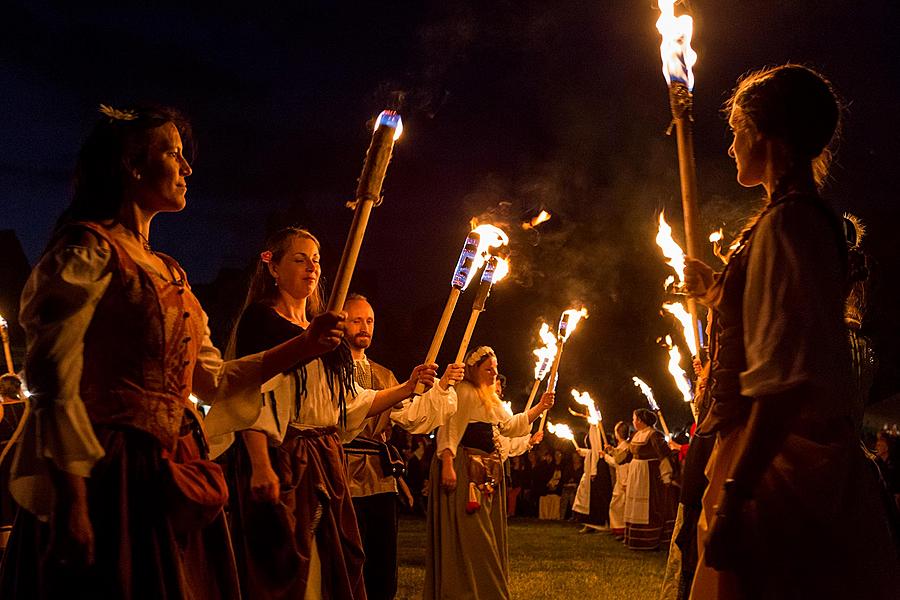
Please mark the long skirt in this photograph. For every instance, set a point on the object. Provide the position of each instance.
(617, 503)
(648, 513)
(467, 555)
(310, 539)
(815, 527)
(142, 549)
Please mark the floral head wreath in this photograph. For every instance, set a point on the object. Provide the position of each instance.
(266, 256)
(479, 353)
(116, 114)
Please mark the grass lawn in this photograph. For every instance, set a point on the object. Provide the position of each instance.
(550, 559)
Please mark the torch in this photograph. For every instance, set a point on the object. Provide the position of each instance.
(388, 128)
(593, 417)
(546, 356)
(562, 431)
(678, 58)
(479, 241)
(653, 405)
(682, 382)
(4, 333)
(568, 321)
(495, 270)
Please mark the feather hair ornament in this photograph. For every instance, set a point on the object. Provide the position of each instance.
(116, 114)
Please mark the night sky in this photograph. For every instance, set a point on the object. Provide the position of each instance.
(509, 107)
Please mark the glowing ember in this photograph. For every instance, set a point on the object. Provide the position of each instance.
(678, 58)
(544, 354)
(671, 250)
(677, 310)
(569, 321)
(585, 399)
(647, 392)
(681, 379)
(562, 431)
(715, 236)
(391, 119)
(542, 217)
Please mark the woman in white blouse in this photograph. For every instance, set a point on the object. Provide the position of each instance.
(467, 543)
(293, 525)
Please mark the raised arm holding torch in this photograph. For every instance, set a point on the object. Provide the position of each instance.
(478, 244)
(568, 321)
(388, 128)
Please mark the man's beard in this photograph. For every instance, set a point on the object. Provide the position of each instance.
(360, 342)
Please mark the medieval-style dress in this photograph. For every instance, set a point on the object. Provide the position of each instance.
(649, 511)
(308, 545)
(592, 499)
(813, 527)
(617, 504)
(467, 555)
(115, 348)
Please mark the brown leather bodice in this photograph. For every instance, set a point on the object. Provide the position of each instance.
(141, 347)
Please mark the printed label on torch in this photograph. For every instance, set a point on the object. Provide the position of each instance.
(466, 257)
(487, 276)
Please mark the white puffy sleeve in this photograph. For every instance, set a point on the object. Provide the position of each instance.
(58, 305)
(513, 426)
(424, 413)
(450, 434)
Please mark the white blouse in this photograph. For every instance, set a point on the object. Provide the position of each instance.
(471, 409)
(319, 408)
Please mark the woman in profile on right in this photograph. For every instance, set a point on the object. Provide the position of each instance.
(791, 510)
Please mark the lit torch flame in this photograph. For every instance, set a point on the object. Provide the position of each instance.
(670, 249)
(562, 431)
(681, 379)
(507, 406)
(677, 310)
(585, 399)
(475, 252)
(501, 270)
(544, 354)
(569, 321)
(3, 322)
(647, 392)
(542, 217)
(715, 236)
(390, 118)
(678, 58)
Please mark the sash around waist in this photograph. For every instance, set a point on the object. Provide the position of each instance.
(480, 436)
